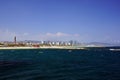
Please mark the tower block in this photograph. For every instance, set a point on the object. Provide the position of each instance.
(15, 39)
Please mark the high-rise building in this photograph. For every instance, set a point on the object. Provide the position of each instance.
(15, 39)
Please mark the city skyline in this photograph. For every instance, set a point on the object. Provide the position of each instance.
(81, 20)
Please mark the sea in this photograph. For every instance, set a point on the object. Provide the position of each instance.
(60, 64)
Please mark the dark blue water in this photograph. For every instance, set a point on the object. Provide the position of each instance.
(60, 64)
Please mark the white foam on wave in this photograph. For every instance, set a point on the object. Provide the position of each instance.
(114, 49)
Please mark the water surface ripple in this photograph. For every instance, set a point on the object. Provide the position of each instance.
(60, 64)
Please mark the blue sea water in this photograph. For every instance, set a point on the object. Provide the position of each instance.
(60, 64)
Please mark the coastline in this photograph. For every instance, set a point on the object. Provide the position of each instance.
(43, 47)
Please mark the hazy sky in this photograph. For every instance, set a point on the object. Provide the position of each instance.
(81, 20)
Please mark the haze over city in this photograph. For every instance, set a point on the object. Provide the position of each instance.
(81, 20)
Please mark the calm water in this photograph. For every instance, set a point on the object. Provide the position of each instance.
(58, 64)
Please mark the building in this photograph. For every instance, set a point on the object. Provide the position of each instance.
(15, 39)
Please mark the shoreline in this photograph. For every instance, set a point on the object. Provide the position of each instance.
(43, 47)
(52, 47)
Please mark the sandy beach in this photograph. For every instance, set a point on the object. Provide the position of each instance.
(43, 47)
(17, 48)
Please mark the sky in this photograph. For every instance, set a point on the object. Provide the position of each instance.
(80, 20)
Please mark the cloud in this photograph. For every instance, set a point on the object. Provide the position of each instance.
(7, 35)
(58, 34)
(76, 35)
(62, 34)
(25, 34)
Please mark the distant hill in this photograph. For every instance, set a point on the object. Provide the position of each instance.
(102, 44)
